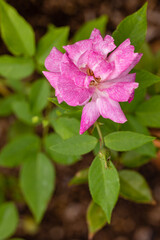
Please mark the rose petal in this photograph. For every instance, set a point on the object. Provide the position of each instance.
(90, 114)
(96, 35)
(131, 97)
(126, 79)
(52, 62)
(69, 70)
(121, 92)
(100, 67)
(133, 64)
(110, 109)
(53, 80)
(124, 59)
(77, 49)
(72, 94)
(103, 47)
(83, 60)
(52, 77)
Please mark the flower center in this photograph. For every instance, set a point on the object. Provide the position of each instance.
(94, 82)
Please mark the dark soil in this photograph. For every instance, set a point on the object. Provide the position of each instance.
(65, 218)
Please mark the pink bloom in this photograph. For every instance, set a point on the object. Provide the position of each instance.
(88, 75)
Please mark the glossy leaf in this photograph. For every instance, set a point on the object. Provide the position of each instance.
(149, 112)
(6, 104)
(15, 84)
(146, 79)
(104, 185)
(64, 105)
(37, 182)
(16, 32)
(16, 151)
(39, 94)
(22, 111)
(148, 61)
(133, 27)
(66, 127)
(55, 37)
(147, 149)
(60, 112)
(85, 31)
(139, 97)
(134, 187)
(76, 145)
(133, 159)
(107, 126)
(8, 220)
(80, 177)
(18, 129)
(126, 140)
(96, 219)
(58, 157)
(16, 67)
(134, 125)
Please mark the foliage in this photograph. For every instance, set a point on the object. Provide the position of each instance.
(59, 142)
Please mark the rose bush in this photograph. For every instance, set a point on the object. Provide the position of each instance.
(93, 73)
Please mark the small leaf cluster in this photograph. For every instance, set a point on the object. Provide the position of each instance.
(43, 132)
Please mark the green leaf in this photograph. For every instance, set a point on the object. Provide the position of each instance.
(57, 113)
(58, 157)
(22, 111)
(85, 31)
(39, 94)
(126, 140)
(66, 127)
(80, 177)
(16, 151)
(148, 112)
(8, 220)
(6, 104)
(104, 185)
(134, 125)
(133, 159)
(76, 145)
(107, 125)
(16, 67)
(96, 219)
(147, 149)
(133, 27)
(146, 79)
(16, 84)
(18, 129)
(131, 107)
(55, 37)
(64, 105)
(2, 196)
(37, 180)
(148, 61)
(134, 187)
(16, 32)
(16, 239)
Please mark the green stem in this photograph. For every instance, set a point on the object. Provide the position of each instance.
(100, 135)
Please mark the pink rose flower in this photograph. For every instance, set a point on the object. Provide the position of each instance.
(90, 73)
